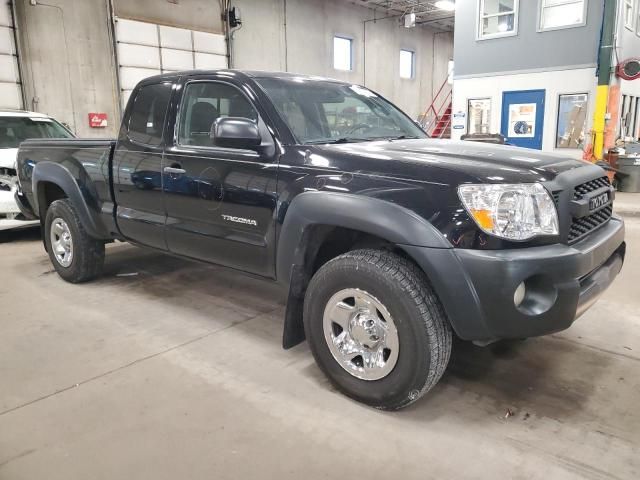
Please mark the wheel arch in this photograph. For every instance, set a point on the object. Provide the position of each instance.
(310, 220)
(52, 181)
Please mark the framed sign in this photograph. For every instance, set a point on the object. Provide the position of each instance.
(522, 120)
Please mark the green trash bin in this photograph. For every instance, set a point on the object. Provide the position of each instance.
(629, 168)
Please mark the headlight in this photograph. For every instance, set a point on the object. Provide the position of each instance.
(511, 211)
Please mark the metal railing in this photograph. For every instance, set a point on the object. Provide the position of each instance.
(436, 119)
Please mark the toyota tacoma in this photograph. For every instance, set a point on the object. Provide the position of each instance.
(387, 243)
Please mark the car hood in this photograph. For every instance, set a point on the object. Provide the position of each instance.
(8, 157)
(469, 161)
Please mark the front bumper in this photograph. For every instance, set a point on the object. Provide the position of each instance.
(8, 205)
(477, 287)
(10, 210)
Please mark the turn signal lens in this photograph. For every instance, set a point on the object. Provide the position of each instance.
(483, 219)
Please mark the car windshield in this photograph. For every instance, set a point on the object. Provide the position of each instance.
(14, 130)
(331, 112)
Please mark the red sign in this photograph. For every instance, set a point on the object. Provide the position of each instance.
(98, 120)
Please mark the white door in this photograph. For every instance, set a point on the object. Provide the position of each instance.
(146, 49)
(10, 87)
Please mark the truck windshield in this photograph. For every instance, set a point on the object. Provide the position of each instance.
(14, 130)
(330, 112)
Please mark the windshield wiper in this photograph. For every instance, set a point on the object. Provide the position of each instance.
(339, 140)
(400, 137)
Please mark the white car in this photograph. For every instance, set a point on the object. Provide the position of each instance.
(16, 126)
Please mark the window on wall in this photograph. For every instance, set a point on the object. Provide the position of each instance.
(629, 116)
(627, 14)
(632, 128)
(556, 14)
(572, 117)
(479, 115)
(497, 18)
(635, 131)
(407, 63)
(342, 53)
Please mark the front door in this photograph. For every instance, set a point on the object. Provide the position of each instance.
(523, 118)
(220, 201)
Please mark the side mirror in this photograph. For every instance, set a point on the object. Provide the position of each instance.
(235, 132)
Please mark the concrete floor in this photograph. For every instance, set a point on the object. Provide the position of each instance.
(177, 372)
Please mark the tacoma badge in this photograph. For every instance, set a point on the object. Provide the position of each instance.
(246, 221)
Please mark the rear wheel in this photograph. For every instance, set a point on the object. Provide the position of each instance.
(376, 328)
(75, 255)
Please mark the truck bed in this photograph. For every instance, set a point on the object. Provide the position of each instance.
(87, 161)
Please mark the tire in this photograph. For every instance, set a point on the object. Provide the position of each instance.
(398, 289)
(85, 259)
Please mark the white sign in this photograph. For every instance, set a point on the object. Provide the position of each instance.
(522, 120)
(459, 120)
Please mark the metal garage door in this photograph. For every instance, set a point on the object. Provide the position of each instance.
(10, 88)
(146, 49)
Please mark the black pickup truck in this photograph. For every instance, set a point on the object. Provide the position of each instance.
(387, 242)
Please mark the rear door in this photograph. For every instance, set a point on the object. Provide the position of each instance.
(220, 201)
(523, 118)
(137, 162)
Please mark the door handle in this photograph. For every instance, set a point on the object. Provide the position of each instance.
(174, 170)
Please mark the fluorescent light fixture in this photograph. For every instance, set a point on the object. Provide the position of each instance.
(447, 5)
(410, 20)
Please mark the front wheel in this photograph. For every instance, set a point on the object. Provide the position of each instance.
(376, 328)
(75, 255)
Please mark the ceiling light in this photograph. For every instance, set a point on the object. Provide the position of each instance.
(447, 5)
(410, 20)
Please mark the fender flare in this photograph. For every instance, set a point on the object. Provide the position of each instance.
(59, 175)
(374, 216)
(386, 220)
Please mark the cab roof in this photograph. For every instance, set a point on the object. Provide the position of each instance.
(241, 73)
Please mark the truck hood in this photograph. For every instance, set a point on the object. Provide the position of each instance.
(8, 157)
(469, 161)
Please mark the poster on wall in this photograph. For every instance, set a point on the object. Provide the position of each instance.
(459, 120)
(522, 120)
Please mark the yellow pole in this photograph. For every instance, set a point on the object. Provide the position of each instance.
(604, 75)
(602, 97)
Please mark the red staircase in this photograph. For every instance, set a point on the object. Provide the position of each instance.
(436, 119)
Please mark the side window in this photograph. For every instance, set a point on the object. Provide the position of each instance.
(147, 114)
(203, 103)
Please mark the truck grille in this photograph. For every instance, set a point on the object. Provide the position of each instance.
(583, 226)
(584, 188)
(580, 227)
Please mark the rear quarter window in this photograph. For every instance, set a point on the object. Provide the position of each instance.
(148, 112)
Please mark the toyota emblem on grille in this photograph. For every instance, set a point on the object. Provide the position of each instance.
(599, 201)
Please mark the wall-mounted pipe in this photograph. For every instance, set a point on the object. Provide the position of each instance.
(604, 75)
(16, 41)
(36, 3)
(116, 86)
